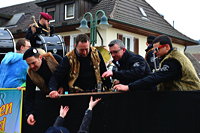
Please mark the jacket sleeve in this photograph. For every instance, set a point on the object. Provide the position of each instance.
(59, 122)
(137, 68)
(170, 70)
(60, 76)
(84, 128)
(29, 96)
(107, 81)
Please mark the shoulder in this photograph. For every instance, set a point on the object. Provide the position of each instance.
(58, 58)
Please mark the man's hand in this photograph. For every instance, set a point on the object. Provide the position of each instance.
(63, 111)
(107, 74)
(121, 87)
(54, 94)
(93, 103)
(30, 120)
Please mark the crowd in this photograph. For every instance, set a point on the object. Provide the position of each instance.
(163, 68)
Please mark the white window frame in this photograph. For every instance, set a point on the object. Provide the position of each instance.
(54, 13)
(125, 38)
(66, 18)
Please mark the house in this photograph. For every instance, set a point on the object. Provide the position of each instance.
(131, 20)
(192, 52)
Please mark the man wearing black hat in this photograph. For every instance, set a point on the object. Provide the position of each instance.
(37, 28)
(40, 70)
(150, 56)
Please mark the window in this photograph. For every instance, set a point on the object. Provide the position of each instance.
(144, 15)
(51, 11)
(128, 42)
(69, 11)
(142, 11)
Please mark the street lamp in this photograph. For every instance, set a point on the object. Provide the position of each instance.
(93, 25)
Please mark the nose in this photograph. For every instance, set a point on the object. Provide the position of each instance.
(31, 66)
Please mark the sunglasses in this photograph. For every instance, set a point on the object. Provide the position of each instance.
(159, 47)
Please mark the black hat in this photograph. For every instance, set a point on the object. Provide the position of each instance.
(30, 52)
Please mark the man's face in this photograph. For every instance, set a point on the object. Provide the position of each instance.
(34, 63)
(45, 22)
(116, 52)
(83, 48)
(25, 47)
(161, 50)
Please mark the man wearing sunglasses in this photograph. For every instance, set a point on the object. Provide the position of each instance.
(176, 71)
(131, 67)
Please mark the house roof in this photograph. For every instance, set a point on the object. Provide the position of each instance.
(125, 12)
(28, 9)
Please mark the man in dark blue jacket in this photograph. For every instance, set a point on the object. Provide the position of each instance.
(130, 67)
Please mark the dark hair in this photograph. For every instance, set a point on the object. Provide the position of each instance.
(82, 38)
(150, 39)
(163, 39)
(118, 42)
(20, 43)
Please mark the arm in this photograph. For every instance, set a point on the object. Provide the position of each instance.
(171, 70)
(29, 100)
(137, 68)
(84, 128)
(59, 77)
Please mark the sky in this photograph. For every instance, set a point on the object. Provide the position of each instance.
(184, 13)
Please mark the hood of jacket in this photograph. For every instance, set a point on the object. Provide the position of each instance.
(11, 58)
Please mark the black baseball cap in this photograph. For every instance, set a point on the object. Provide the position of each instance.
(30, 52)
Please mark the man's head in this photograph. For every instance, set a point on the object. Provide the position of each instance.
(82, 45)
(117, 49)
(33, 59)
(22, 45)
(44, 19)
(162, 45)
(150, 40)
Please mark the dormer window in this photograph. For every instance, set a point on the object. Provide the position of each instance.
(51, 11)
(142, 11)
(144, 15)
(69, 11)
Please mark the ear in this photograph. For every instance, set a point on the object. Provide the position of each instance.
(40, 56)
(168, 47)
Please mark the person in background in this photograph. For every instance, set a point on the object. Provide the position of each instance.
(81, 69)
(84, 127)
(176, 71)
(39, 28)
(13, 68)
(40, 71)
(130, 67)
(150, 57)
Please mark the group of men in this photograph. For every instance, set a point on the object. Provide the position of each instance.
(82, 68)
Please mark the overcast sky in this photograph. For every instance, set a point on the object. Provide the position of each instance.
(184, 13)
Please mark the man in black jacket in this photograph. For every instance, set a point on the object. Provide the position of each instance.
(80, 70)
(131, 67)
(40, 70)
(150, 57)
